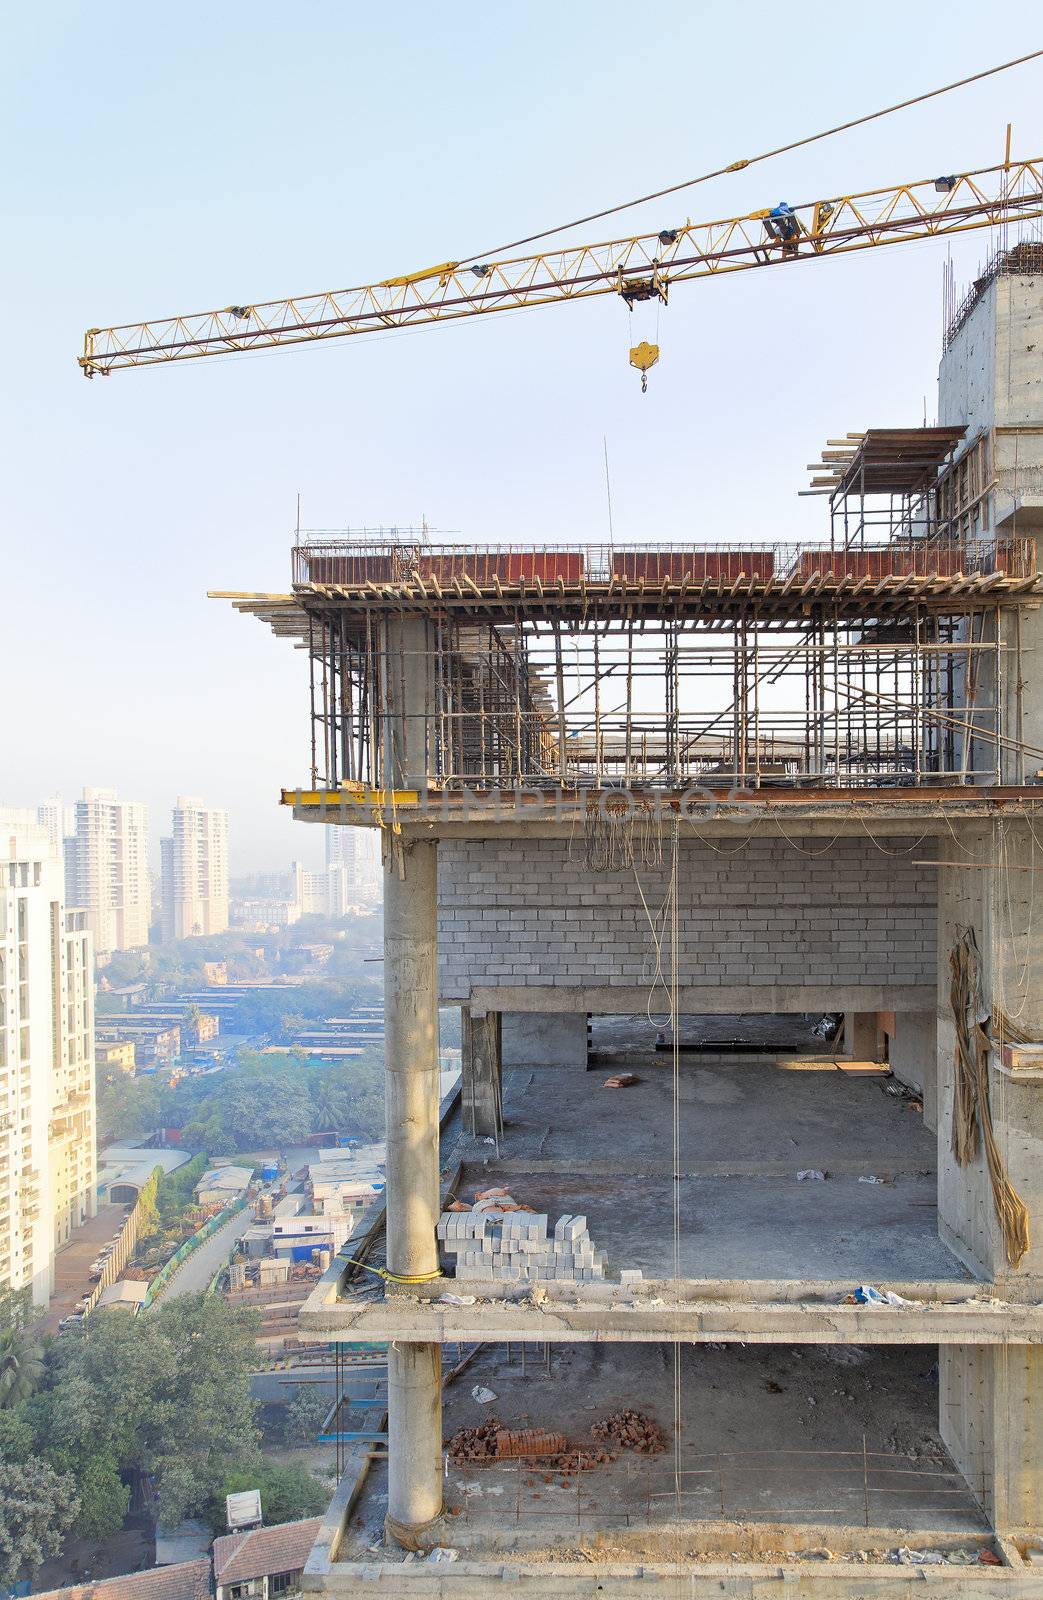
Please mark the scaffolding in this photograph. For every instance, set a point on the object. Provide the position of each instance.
(871, 683)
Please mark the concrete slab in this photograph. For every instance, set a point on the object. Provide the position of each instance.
(763, 1256)
(796, 1460)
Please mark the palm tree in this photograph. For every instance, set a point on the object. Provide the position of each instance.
(21, 1366)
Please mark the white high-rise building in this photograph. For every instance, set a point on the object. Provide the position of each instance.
(47, 1135)
(352, 869)
(109, 870)
(60, 823)
(195, 871)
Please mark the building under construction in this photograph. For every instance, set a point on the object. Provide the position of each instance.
(728, 853)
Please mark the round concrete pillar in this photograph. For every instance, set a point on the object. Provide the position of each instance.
(414, 1441)
(411, 1058)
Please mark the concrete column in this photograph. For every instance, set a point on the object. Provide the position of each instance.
(414, 1441)
(545, 1039)
(862, 1036)
(411, 701)
(914, 1058)
(411, 1087)
(482, 1074)
(991, 1420)
(411, 1057)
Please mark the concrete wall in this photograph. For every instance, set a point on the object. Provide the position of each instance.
(1000, 906)
(914, 1058)
(545, 1039)
(991, 1419)
(526, 915)
(992, 377)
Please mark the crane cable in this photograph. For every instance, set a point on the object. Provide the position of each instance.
(750, 161)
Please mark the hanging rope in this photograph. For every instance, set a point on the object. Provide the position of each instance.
(972, 1127)
(616, 835)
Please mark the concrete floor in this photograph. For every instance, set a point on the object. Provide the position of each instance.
(747, 1127)
(811, 1438)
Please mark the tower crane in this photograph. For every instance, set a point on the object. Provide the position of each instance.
(638, 268)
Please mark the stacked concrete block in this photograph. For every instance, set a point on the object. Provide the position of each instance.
(515, 1246)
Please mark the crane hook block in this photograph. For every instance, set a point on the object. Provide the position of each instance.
(644, 356)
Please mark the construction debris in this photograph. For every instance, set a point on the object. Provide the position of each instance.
(621, 1080)
(631, 1430)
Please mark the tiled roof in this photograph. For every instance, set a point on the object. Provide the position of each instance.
(263, 1551)
(185, 1580)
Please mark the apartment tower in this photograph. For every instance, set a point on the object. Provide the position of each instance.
(195, 871)
(109, 867)
(47, 1135)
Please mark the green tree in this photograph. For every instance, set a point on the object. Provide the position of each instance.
(37, 1508)
(104, 1497)
(21, 1359)
(130, 1108)
(305, 1414)
(167, 1392)
(288, 1492)
(16, 1436)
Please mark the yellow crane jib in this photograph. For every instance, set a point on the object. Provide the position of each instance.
(443, 273)
(638, 268)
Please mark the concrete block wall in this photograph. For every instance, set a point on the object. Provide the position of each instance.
(527, 913)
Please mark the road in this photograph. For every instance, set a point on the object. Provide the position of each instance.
(195, 1272)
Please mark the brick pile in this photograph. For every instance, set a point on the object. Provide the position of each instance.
(528, 1442)
(497, 1239)
(490, 1442)
(631, 1430)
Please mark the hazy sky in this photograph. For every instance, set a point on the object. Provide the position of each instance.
(166, 159)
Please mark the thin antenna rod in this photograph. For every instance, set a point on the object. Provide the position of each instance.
(298, 516)
(608, 490)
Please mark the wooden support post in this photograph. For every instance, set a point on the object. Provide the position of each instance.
(482, 1074)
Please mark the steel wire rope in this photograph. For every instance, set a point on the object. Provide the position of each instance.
(881, 847)
(749, 161)
(813, 853)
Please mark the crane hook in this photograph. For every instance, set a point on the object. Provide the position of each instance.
(644, 356)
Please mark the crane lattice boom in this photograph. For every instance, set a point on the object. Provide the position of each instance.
(639, 268)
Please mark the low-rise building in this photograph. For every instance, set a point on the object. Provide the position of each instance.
(185, 1580)
(222, 1185)
(154, 1042)
(129, 1294)
(123, 1170)
(115, 1055)
(266, 1563)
